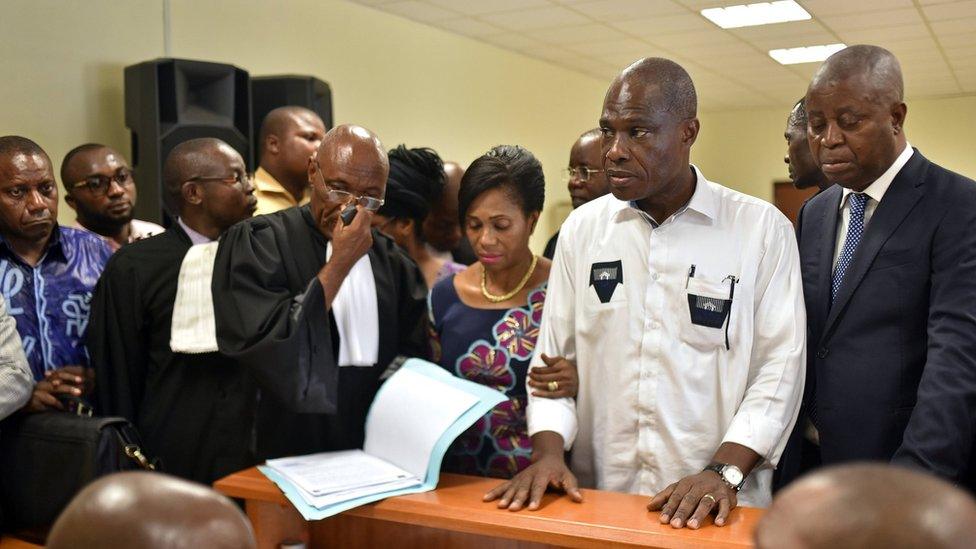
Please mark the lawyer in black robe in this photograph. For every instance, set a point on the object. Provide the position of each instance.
(271, 316)
(194, 412)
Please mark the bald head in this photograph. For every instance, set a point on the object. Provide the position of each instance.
(190, 159)
(350, 159)
(876, 66)
(15, 145)
(675, 91)
(279, 121)
(869, 506)
(856, 115)
(356, 146)
(587, 180)
(150, 511)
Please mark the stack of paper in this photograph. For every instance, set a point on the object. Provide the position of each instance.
(414, 418)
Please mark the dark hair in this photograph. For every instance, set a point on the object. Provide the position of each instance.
(798, 116)
(71, 155)
(416, 180)
(15, 144)
(507, 167)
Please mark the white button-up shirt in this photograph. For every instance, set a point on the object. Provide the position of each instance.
(658, 394)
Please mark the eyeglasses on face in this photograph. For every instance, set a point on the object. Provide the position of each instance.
(241, 179)
(100, 184)
(581, 173)
(342, 197)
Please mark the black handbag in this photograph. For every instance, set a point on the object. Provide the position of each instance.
(47, 458)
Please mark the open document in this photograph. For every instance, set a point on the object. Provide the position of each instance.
(414, 418)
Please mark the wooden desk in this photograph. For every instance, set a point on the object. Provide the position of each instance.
(454, 516)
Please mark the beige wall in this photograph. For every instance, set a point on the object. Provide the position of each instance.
(62, 63)
(62, 66)
(410, 83)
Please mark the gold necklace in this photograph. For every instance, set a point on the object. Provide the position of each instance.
(499, 298)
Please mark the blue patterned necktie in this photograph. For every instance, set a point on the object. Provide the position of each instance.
(855, 229)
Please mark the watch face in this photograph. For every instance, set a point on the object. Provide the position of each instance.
(732, 475)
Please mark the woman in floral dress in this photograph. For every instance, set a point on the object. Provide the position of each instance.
(485, 319)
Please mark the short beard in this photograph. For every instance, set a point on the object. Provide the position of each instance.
(106, 225)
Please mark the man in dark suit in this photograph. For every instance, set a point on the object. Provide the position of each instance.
(888, 257)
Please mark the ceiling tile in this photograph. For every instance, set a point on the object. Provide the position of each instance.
(823, 8)
(513, 41)
(666, 24)
(780, 30)
(481, 7)
(552, 53)
(955, 26)
(592, 32)
(420, 11)
(374, 2)
(950, 10)
(538, 18)
(958, 40)
(870, 20)
(469, 27)
(625, 45)
(875, 36)
(622, 10)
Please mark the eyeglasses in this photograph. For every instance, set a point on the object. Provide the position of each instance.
(100, 184)
(335, 195)
(240, 178)
(583, 173)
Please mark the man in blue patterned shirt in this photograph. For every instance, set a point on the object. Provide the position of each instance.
(47, 272)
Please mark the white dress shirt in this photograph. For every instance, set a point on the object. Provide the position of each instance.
(875, 192)
(658, 394)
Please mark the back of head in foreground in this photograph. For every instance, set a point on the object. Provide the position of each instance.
(869, 506)
(150, 511)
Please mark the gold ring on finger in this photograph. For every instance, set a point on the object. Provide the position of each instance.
(553, 386)
(709, 496)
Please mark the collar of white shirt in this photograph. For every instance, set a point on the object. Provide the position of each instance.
(880, 186)
(703, 201)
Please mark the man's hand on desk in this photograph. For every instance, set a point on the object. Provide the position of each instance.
(548, 469)
(689, 498)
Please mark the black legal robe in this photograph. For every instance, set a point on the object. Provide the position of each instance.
(271, 317)
(194, 412)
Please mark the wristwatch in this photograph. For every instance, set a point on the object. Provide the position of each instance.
(731, 474)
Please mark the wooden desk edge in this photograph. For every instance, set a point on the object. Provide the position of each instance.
(252, 484)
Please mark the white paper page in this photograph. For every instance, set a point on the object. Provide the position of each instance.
(346, 495)
(408, 417)
(331, 472)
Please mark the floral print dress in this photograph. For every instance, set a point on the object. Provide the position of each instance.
(492, 347)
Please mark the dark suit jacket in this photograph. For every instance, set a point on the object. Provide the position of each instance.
(892, 363)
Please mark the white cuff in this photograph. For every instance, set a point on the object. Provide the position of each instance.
(557, 415)
(759, 434)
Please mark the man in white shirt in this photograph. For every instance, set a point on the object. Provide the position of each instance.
(679, 301)
(99, 187)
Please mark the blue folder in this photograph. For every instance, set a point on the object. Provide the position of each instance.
(487, 399)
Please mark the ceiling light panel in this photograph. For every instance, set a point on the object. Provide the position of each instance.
(808, 54)
(761, 13)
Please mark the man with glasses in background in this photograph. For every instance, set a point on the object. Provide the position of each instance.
(311, 298)
(194, 410)
(586, 179)
(47, 273)
(99, 188)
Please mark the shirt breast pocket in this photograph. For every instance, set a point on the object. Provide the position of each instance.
(709, 313)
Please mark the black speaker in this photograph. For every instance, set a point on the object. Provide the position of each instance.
(168, 101)
(270, 92)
